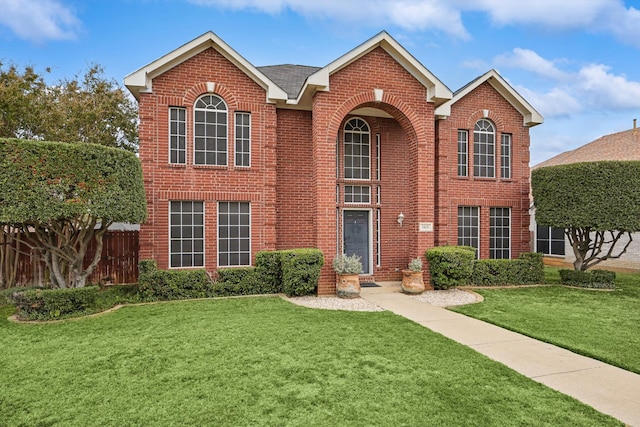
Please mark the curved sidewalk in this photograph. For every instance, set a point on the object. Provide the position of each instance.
(608, 389)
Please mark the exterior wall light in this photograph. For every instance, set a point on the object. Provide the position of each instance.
(400, 218)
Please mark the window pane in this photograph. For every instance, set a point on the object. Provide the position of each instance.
(357, 150)
(210, 122)
(234, 231)
(186, 225)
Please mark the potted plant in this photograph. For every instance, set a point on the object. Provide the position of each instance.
(412, 282)
(348, 282)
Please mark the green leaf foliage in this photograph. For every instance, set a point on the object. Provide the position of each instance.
(450, 266)
(594, 279)
(597, 195)
(301, 271)
(528, 269)
(50, 181)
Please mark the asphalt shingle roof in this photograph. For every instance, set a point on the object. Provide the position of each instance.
(623, 145)
(289, 77)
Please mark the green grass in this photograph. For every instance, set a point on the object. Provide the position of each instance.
(260, 361)
(598, 324)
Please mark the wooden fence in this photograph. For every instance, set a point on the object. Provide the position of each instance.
(118, 264)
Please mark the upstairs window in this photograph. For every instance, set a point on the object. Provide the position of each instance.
(210, 131)
(463, 152)
(243, 139)
(177, 135)
(357, 155)
(505, 156)
(484, 148)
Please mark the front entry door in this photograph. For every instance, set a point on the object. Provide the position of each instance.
(356, 236)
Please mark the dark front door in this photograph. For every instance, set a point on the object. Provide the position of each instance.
(356, 236)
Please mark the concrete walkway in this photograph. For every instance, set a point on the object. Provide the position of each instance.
(608, 389)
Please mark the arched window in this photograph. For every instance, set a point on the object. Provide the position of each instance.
(357, 155)
(210, 131)
(484, 149)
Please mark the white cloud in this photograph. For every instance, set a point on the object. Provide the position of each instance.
(607, 90)
(446, 16)
(591, 88)
(529, 60)
(411, 15)
(39, 20)
(556, 102)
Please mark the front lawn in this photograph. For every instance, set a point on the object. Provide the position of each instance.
(598, 324)
(260, 361)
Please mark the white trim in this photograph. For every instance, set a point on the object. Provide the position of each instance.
(530, 116)
(141, 81)
(437, 92)
(370, 231)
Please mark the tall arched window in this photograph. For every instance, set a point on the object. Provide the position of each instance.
(210, 131)
(484, 149)
(357, 153)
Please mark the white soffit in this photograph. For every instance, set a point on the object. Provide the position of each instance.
(531, 117)
(140, 81)
(437, 92)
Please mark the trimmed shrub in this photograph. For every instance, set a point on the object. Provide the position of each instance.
(450, 266)
(269, 271)
(528, 269)
(110, 296)
(593, 279)
(237, 281)
(49, 304)
(164, 285)
(301, 271)
(6, 295)
(147, 266)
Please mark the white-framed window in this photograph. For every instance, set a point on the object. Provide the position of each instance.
(357, 146)
(234, 234)
(550, 240)
(186, 234)
(357, 194)
(210, 131)
(505, 156)
(469, 227)
(177, 135)
(500, 233)
(484, 149)
(463, 153)
(243, 139)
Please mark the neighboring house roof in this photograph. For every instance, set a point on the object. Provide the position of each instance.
(289, 77)
(530, 116)
(623, 145)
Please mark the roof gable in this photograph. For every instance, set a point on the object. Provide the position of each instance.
(437, 92)
(140, 81)
(530, 116)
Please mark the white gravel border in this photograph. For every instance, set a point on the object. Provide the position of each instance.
(443, 298)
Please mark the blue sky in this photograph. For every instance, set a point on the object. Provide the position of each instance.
(576, 61)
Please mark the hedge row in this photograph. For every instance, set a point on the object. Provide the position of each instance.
(456, 265)
(294, 272)
(594, 279)
(51, 304)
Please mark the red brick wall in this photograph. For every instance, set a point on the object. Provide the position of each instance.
(295, 202)
(292, 181)
(408, 158)
(181, 86)
(454, 191)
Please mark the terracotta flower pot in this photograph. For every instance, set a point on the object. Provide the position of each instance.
(412, 282)
(348, 286)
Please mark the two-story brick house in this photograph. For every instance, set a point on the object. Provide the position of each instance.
(371, 154)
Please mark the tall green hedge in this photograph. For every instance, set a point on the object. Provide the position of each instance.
(301, 271)
(48, 181)
(599, 195)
